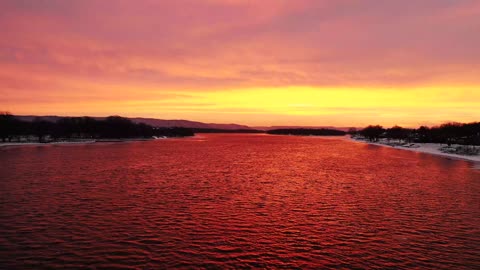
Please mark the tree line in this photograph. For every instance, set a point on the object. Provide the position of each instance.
(112, 127)
(450, 133)
(307, 132)
(219, 130)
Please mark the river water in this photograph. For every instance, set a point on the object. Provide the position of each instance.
(233, 201)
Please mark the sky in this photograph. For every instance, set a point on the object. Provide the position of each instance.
(260, 63)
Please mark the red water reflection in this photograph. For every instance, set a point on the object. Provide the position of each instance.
(224, 201)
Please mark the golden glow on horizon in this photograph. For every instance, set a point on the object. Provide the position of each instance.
(281, 106)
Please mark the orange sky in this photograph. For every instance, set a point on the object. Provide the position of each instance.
(269, 62)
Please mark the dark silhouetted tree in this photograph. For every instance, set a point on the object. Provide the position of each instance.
(6, 120)
(397, 133)
(41, 128)
(83, 128)
(372, 133)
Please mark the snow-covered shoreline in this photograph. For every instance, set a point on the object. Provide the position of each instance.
(428, 148)
(13, 144)
(5, 144)
(2, 144)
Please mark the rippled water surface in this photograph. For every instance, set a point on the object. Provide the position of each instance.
(225, 201)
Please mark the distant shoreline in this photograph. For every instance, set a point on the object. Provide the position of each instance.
(427, 148)
(7, 144)
(307, 132)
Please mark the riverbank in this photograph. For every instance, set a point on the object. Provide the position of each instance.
(5, 144)
(428, 148)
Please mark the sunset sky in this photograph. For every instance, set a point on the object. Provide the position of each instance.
(265, 62)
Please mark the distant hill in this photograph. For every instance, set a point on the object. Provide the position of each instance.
(153, 122)
(188, 124)
(49, 118)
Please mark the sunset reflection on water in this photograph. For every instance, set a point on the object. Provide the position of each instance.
(236, 201)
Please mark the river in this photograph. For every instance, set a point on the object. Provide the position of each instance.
(233, 201)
